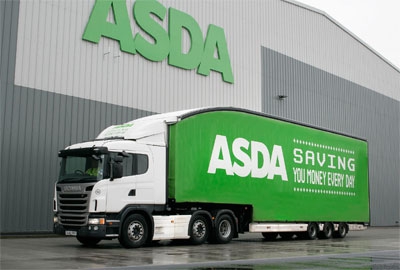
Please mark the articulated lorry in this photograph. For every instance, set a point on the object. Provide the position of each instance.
(209, 174)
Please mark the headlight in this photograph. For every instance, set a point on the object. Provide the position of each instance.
(96, 221)
(55, 219)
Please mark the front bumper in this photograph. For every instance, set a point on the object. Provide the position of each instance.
(108, 230)
(95, 231)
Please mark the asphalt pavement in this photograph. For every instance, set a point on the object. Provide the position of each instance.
(375, 248)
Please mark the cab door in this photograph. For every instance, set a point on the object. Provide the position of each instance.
(137, 184)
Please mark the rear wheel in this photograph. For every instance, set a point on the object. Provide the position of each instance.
(224, 229)
(341, 232)
(88, 241)
(134, 231)
(326, 232)
(198, 230)
(312, 231)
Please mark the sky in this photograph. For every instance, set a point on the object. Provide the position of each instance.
(376, 22)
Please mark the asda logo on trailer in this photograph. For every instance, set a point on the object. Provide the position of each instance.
(165, 43)
(253, 158)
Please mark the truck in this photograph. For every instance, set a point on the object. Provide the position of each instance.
(210, 174)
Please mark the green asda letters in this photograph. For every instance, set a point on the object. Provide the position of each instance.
(165, 44)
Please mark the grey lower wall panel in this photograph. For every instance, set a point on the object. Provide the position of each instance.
(321, 99)
(36, 125)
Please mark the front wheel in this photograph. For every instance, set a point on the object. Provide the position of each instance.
(134, 231)
(198, 230)
(224, 229)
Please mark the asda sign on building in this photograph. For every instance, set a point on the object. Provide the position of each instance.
(166, 43)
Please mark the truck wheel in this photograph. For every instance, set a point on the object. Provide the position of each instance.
(341, 232)
(134, 231)
(312, 231)
(198, 230)
(270, 235)
(88, 241)
(224, 229)
(326, 232)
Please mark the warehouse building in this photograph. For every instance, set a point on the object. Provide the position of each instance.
(69, 69)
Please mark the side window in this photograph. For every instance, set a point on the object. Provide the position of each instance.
(141, 165)
(135, 164)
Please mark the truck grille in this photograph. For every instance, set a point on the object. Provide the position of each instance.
(73, 204)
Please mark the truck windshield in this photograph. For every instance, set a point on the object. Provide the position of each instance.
(81, 168)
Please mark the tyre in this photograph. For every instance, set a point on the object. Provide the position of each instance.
(326, 232)
(270, 235)
(198, 230)
(135, 231)
(88, 241)
(312, 231)
(341, 232)
(224, 229)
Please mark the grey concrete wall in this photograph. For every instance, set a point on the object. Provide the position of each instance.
(321, 99)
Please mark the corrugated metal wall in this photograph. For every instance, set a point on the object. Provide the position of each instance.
(8, 27)
(322, 99)
(36, 125)
(57, 89)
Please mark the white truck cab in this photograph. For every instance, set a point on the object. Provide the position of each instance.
(96, 190)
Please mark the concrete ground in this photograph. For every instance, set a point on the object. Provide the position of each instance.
(375, 248)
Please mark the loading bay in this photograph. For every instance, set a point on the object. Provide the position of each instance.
(375, 248)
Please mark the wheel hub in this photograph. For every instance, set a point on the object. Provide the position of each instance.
(225, 228)
(135, 231)
(199, 229)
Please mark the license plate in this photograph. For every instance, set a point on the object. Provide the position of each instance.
(72, 233)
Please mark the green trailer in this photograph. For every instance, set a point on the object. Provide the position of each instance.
(286, 171)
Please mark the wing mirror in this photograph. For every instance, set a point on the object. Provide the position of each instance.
(116, 168)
